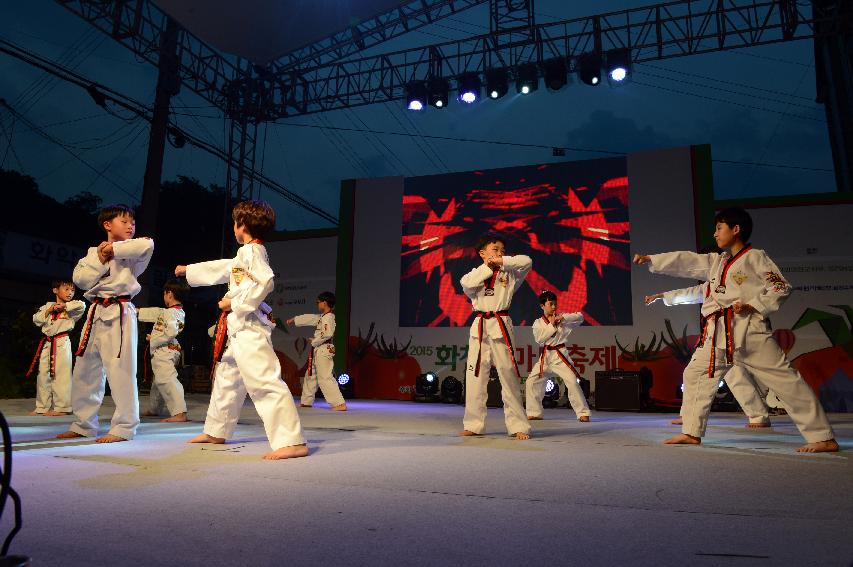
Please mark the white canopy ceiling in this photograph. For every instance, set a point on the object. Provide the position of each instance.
(264, 30)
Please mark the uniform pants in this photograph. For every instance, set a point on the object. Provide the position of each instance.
(100, 362)
(54, 391)
(167, 392)
(766, 362)
(535, 386)
(249, 364)
(492, 351)
(321, 374)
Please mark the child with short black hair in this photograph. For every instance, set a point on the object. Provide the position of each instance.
(551, 332)
(490, 286)
(321, 356)
(248, 363)
(745, 286)
(166, 389)
(107, 347)
(55, 319)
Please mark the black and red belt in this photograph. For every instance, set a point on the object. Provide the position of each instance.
(556, 348)
(727, 315)
(145, 371)
(499, 315)
(311, 357)
(52, 340)
(219, 340)
(90, 321)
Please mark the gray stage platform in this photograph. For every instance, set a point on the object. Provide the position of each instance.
(390, 483)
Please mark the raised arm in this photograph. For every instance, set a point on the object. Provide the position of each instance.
(573, 320)
(475, 279)
(89, 270)
(776, 288)
(519, 264)
(215, 272)
(542, 331)
(75, 309)
(309, 320)
(149, 314)
(42, 316)
(683, 264)
(138, 249)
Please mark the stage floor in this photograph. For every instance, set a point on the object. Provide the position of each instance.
(390, 483)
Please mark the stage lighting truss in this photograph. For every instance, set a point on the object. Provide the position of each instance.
(527, 78)
(469, 87)
(556, 73)
(618, 66)
(438, 89)
(589, 69)
(497, 82)
(416, 95)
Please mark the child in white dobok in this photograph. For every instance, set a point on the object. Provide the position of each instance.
(551, 332)
(747, 393)
(55, 319)
(321, 356)
(248, 363)
(490, 287)
(745, 286)
(166, 389)
(108, 341)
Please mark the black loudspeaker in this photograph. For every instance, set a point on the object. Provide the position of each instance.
(618, 390)
(493, 390)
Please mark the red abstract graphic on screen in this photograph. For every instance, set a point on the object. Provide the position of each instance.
(570, 218)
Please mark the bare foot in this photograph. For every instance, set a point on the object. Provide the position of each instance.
(531, 418)
(683, 439)
(69, 435)
(758, 424)
(205, 438)
(149, 413)
(340, 407)
(466, 433)
(178, 417)
(306, 406)
(829, 446)
(36, 413)
(520, 436)
(108, 438)
(54, 413)
(291, 452)
(584, 419)
(677, 421)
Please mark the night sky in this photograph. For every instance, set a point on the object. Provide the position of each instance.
(754, 105)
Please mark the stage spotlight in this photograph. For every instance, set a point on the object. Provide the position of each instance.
(552, 393)
(469, 87)
(347, 385)
(416, 95)
(556, 73)
(497, 82)
(438, 89)
(618, 65)
(426, 388)
(451, 391)
(589, 68)
(527, 78)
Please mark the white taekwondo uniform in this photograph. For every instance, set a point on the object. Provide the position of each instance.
(249, 363)
(108, 342)
(491, 342)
